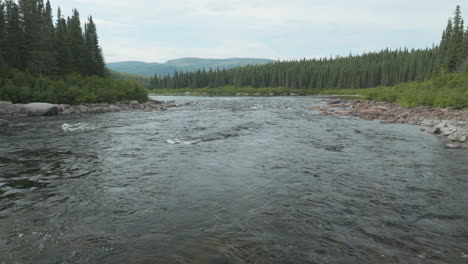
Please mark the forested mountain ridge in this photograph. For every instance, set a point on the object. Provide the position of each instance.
(384, 68)
(54, 61)
(182, 65)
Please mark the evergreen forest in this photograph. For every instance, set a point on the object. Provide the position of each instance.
(373, 69)
(54, 60)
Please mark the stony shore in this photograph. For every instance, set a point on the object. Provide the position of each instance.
(9, 110)
(447, 122)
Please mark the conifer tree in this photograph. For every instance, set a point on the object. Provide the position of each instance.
(95, 60)
(13, 36)
(77, 45)
(2, 34)
(31, 22)
(62, 46)
(48, 41)
(456, 50)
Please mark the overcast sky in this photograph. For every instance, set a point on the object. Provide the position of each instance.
(157, 31)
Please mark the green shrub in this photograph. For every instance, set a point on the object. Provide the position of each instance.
(21, 87)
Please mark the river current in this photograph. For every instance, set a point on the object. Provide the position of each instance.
(229, 180)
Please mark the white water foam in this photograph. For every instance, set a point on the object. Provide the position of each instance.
(177, 141)
(77, 127)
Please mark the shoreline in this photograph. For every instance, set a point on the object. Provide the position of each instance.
(445, 122)
(9, 111)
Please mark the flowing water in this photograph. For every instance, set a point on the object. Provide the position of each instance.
(229, 180)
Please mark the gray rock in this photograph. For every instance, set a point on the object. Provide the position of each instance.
(82, 109)
(388, 121)
(98, 110)
(40, 109)
(148, 108)
(459, 136)
(4, 123)
(70, 111)
(434, 130)
(7, 108)
(114, 108)
(456, 145)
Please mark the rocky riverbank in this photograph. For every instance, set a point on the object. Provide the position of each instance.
(447, 122)
(9, 110)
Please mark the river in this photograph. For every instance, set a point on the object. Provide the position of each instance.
(229, 180)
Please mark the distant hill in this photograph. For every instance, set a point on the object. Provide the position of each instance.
(184, 64)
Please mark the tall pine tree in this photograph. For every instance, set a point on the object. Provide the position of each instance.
(2, 34)
(13, 36)
(94, 60)
(77, 44)
(62, 46)
(456, 47)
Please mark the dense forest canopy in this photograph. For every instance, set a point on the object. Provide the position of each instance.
(57, 61)
(31, 41)
(387, 68)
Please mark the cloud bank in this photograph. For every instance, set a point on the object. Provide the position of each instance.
(157, 31)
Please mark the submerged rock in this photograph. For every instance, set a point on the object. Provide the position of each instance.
(40, 109)
(456, 145)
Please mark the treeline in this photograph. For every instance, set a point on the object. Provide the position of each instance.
(143, 80)
(384, 68)
(31, 41)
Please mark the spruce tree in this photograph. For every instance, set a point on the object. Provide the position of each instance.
(456, 49)
(94, 60)
(31, 23)
(2, 33)
(48, 41)
(62, 46)
(77, 45)
(13, 36)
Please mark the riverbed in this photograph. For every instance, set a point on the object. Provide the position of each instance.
(229, 180)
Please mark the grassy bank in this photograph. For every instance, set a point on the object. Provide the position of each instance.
(21, 87)
(445, 90)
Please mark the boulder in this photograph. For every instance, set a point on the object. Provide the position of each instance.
(388, 121)
(372, 111)
(98, 110)
(4, 123)
(324, 112)
(434, 130)
(148, 108)
(343, 112)
(40, 109)
(7, 108)
(114, 108)
(70, 111)
(456, 145)
(334, 102)
(82, 109)
(459, 136)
